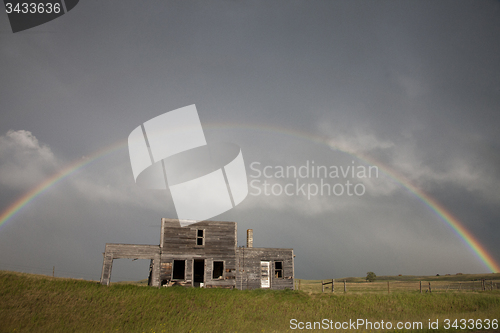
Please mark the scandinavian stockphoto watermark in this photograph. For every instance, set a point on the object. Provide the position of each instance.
(379, 325)
(310, 179)
(170, 152)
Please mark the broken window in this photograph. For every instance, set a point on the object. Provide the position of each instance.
(218, 270)
(179, 269)
(200, 237)
(278, 269)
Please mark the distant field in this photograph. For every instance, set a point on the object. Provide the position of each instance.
(34, 303)
(449, 277)
(407, 283)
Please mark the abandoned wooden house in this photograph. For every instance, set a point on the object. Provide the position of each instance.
(205, 254)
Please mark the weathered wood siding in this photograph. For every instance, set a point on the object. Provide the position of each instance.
(249, 269)
(219, 244)
(241, 268)
(130, 251)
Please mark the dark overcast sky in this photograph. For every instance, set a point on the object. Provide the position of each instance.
(412, 85)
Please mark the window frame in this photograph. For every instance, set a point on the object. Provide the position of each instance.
(220, 277)
(173, 270)
(202, 238)
(277, 271)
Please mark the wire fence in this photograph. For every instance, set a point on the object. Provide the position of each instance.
(58, 272)
(342, 286)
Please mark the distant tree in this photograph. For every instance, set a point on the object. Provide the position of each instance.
(370, 276)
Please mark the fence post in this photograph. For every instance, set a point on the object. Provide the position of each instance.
(491, 286)
(322, 286)
(420, 286)
(345, 290)
(299, 284)
(388, 288)
(53, 270)
(430, 290)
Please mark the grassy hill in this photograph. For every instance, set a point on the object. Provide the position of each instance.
(33, 303)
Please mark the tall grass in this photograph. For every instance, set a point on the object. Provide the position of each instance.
(30, 303)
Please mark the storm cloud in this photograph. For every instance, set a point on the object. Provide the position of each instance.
(410, 87)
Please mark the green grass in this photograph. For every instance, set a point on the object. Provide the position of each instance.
(32, 303)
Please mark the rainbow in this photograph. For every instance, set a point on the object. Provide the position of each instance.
(27, 197)
(452, 222)
(459, 229)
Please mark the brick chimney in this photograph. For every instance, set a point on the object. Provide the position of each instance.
(250, 238)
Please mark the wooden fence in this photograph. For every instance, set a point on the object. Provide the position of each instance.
(342, 286)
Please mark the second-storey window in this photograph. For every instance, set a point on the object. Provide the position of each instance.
(200, 237)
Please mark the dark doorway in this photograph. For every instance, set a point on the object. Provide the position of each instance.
(179, 269)
(198, 272)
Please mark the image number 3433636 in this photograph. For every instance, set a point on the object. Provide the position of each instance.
(26, 14)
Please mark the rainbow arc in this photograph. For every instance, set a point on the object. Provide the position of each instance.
(452, 222)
